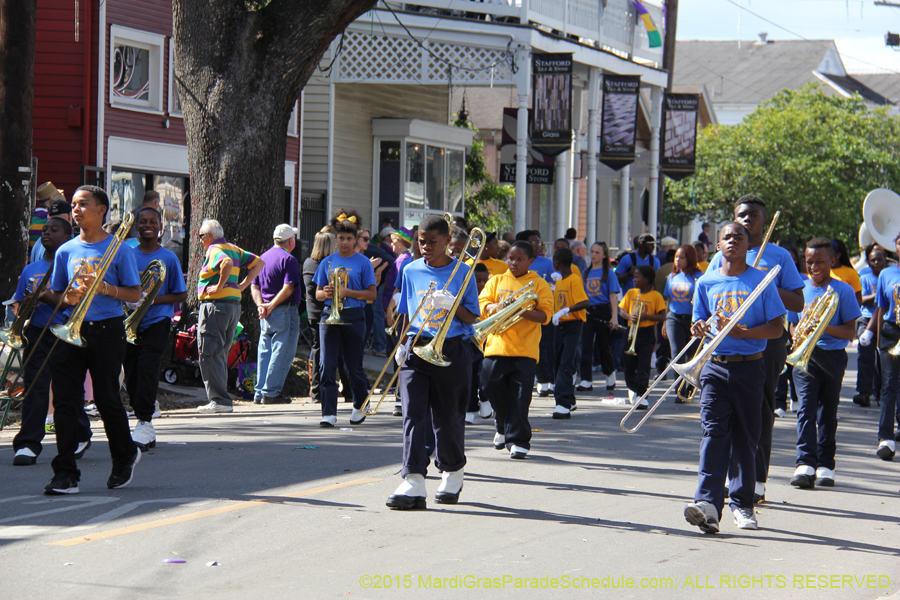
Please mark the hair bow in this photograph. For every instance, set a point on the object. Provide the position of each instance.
(342, 217)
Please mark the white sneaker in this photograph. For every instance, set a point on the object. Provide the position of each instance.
(91, 410)
(157, 413)
(212, 408)
(470, 417)
(144, 435)
(886, 449)
(611, 381)
(779, 412)
(328, 421)
(451, 486)
(825, 477)
(499, 441)
(485, 410)
(356, 416)
(518, 452)
(745, 518)
(631, 397)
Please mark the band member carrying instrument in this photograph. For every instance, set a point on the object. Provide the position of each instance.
(342, 327)
(819, 360)
(27, 443)
(102, 340)
(510, 357)
(143, 358)
(679, 295)
(424, 385)
(642, 307)
(732, 381)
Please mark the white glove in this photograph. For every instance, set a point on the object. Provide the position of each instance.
(135, 305)
(396, 299)
(866, 338)
(400, 355)
(552, 288)
(441, 301)
(560, 314)
(555, 275)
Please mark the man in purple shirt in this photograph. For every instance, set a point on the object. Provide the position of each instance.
(277, 293)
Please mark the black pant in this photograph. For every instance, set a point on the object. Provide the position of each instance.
(36, 405)
(546, 366)
(820, 393)
(567, 342)
(637, 368)
(774, 357)
(102, 356)
(475, 387)
(314, 357)
(678, 328)
(592, 329)
(142, 368)
(868, 373)
(506, 382)
(663, 354)
(444, 392)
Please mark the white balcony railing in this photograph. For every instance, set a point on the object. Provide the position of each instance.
(614, 26)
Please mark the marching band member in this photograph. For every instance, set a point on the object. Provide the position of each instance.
(637, 367)
(543, 266)
(732, 382)
(425, 387)
(819, 390)
(142, 360)
(510, 358)
(27, 443)
(570, 304)
(489, 256)
(679, 295)
(843, 269)
(868, 378)
(601, 285)
(349, 338)
(478, 407)
(104, 334)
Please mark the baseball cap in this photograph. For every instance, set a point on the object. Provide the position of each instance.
(668, 241)
(60, 207)
(285, 232)
(645, 237)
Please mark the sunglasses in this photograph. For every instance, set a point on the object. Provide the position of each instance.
(365, 239)
(201, 236)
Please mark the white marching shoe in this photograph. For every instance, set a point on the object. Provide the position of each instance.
(611, 381)
(485, 410)
(144, 435)
(451, 486)
(499, 441)
(470, 417)
(886, 449)
(410, 495)
(356, 416)
(825, 477)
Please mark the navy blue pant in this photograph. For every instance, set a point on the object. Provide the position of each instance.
(36, 405)
(142, 368)
(619, 344)
(345, 341)
(868, 373)
(890, 382)
(475, 387)
(566, 344)
(819, 393)
(774, 357)
(785, 381)
(599, 332)
(637, 368)
(443, 392)
(678, 328)
(546, 367)
(506, 381)
(730, 413)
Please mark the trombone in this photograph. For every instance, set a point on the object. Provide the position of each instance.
(690, 371)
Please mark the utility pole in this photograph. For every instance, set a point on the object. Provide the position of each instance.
(18, 24)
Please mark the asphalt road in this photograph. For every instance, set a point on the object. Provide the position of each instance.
(590, 507)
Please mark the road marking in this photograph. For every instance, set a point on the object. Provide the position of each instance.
(666, 421)
(207, 513)
(77, 503)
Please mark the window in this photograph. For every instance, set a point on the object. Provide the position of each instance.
(135, 70)
(174, 98)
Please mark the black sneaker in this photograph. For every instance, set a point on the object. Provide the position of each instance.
(122, 476)
(863, 400)
(279, 399)
(60, 485)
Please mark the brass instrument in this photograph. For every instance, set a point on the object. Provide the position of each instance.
(432, 352)
(690, 371)
(895, 351)
(70, 331)
(338, 280)
(811, 327)
(390, 330)
(638, 306)
(152, 280)
(12, 335)
(508, 314)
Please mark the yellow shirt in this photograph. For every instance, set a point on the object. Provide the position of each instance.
(703, 265)
(494, 266)
(524, 338)
(849, 276)
(569, 292)
(653, 303)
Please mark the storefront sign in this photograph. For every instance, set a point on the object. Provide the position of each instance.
(619, 123)
(679, 136)
(541, 168)
(551, 129)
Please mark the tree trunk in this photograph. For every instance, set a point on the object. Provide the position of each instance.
(17, 31)
(241, 65)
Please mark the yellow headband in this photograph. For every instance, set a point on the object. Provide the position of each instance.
(342, 217)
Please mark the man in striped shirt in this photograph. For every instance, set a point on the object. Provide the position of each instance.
(219, 291)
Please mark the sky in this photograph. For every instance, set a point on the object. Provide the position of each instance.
(857, 26)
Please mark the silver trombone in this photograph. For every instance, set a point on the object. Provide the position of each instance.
(690, 371)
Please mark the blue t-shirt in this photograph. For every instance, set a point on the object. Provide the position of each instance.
(417, 277)
(866, 270)
(848, 310)
(399, 281)
(680, 292)
(869, 282)
(360, 275)
(173, 284)
(597, 290)
(888, 285)
(789, 277)
(543, 266)
(791, 314)
(715, 290)
(122, 272)
(37, 251)
(579, 263)
(28, 281)
(625, 264)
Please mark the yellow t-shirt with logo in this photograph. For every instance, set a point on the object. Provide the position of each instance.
(569, 292)
(524, 338)
(653, 303)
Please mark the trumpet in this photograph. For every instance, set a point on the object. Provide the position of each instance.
(338, 281)
(811, 327)
(636, 306)
(151, 282)
(508, 314)
(690, 371)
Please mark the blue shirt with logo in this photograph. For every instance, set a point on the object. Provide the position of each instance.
(543, 266)
(848, 310)
(417, 277)
(28, 281)
(173, 283)
(597, 290)
(716, 291)
(680, 292)
(360, 275)
(869, 283)
(789, 277)
(887, 293)
(625, 264)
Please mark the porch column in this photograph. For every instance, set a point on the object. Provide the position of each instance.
(624, 207)
(522, 85)
(563, 189)
(593, 147)
(655, 117)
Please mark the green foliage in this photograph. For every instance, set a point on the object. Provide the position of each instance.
(813, 157)
(487, 204)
